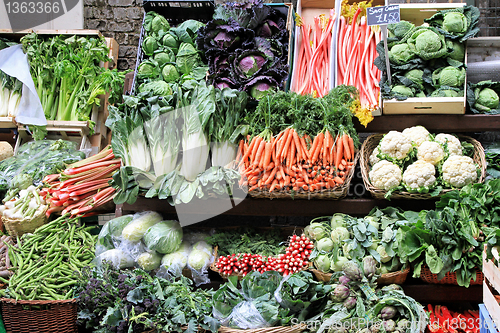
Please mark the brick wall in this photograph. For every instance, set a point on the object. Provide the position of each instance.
(119, 19)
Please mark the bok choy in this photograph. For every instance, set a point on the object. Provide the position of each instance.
(194, 144)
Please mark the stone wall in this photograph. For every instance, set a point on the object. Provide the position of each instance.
(119, 19)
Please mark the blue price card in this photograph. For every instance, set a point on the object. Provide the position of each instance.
(382, 15)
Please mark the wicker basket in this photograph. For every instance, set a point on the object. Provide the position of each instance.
(449, 278)
(372, 142)
(276, 329)
(39, 316)
(325, 194)
(398, 277)
(18, 227)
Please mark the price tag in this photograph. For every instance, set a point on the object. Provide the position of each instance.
(383, 15)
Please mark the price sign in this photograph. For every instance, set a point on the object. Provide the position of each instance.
(383, 15)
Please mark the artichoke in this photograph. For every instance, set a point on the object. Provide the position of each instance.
(350, 302)
(389, 325)
(344, 280)
(403, 325)
(340, 293)
(388, 312)
(352, 271)
(369, 266)
(375, 328)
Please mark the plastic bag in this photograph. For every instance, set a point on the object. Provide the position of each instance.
(38, 159)
(116, 257)
(149, 261)
(199, 259)
(173, 263)
(110, 234)
(164, 237)
(245, 316)
(133, 250)
(135, 230)
(14, 62)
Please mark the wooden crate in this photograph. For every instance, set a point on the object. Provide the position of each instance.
(75, 131)
(416, 13)
(491, 288)
(99, 114)
(8, 122)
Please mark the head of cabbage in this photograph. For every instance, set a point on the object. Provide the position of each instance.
(187, 58)
(164, 237)
(199, 259)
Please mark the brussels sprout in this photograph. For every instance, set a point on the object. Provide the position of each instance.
(170, 73)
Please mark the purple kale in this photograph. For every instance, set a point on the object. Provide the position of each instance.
(260, 86)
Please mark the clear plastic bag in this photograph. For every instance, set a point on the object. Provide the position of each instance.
(38, 159)
(245, 316)
(110, 234)
(173, 263)
(118, 258)
(164, 237)
(141, 222)
(133, 250)
(199, 259)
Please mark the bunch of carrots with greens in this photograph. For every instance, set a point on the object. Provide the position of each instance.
(313, 150)
(313, 65)
(356, 51)
(82, 186)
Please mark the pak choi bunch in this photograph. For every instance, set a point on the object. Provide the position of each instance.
(194, 144)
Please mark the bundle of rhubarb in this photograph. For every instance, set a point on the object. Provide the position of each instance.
(442, 320)
(295, 258)
(82, 186)
(313, 64)
(356, 51)
(314, 149)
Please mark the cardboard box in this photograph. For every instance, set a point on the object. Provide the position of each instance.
(416, 13)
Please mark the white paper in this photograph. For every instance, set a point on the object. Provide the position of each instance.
(14, 62)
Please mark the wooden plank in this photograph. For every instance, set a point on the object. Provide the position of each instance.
(113, 47)
(435, 293)
(8, 122)
(434, 123)
(491, 303)
(427, 105)
(491, 272)
(276, 207)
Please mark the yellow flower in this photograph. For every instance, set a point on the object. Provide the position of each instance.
(364, 114)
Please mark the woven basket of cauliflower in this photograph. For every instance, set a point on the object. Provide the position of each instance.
(415, 164)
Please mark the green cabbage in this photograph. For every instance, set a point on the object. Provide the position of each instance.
(170, 41)
(135, 230)
(458, 52)
(486, 99)
(117, 258)
(149, 45)
(177, 259)
(170, 73)
(416, 76)
(164, 237)
(402, 90)
(427, 43)
(400, 29)
(449, 76)
(166, 55)
(455, 22)
(149, 261)
(400, 54)
(187, 58)
(159, 23)
(197, 259)
(159, 88)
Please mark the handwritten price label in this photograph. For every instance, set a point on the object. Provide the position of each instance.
(382, 15)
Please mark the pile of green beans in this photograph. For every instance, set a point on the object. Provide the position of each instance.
(45, 262)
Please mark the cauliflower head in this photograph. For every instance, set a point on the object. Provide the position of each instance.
(431, 152)
(373, 157)
(417, 134)
(419, 177)
(459, 171)
(454, 145)
(395, 145)
(385, 175)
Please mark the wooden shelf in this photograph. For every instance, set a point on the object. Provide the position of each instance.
(434, 123)
(276, 207)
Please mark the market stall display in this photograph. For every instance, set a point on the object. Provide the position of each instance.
(10, 88)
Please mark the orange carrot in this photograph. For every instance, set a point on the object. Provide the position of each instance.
(281, 144)
(258, 154)
(240, 149)
(267, 154)
(347, 151)
(339, 153)
(318, 147)
(273, 185)
(304, 148)
(298, 146)
(351, 147)
(325, 149)
(287, 145)
(313, 146)
(338, 180)
(292, 154)
(271, 176)
(254, 148)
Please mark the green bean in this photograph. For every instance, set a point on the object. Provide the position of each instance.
(71, 232)
(50, 292)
